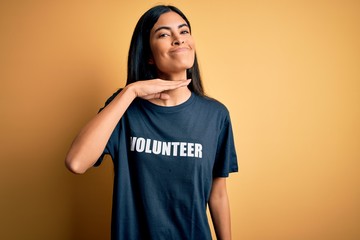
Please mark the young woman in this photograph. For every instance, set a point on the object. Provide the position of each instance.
(172, 147)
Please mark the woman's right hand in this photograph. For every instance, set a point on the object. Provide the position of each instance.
(156, 88)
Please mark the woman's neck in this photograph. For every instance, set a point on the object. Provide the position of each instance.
(173, 76)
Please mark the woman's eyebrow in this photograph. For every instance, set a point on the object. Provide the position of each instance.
(168, 28)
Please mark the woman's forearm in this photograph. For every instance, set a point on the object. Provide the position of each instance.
(220, 209)
(89, 144)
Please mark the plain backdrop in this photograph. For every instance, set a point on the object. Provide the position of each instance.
(288, 71)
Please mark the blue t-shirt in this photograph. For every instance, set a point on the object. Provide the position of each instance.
(165, 159)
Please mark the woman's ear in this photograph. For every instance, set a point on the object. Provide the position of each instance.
(151, 61)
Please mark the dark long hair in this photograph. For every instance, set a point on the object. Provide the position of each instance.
(140, 52)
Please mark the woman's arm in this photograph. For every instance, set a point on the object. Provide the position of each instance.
(220, 209)
(89, 144)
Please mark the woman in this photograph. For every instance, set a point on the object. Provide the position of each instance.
(171, 146)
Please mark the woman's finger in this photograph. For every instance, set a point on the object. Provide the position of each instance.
(152, 88)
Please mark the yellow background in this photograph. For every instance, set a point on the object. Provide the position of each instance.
(289, 72)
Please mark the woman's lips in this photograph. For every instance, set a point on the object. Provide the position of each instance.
(179, 50)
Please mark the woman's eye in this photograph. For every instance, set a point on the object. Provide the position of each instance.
(185, 32)
(163, 35)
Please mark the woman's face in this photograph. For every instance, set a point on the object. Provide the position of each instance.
(172, 46)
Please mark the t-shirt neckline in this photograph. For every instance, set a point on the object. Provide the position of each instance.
(168, 109)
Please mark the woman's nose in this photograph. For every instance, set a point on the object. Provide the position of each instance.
(178, 41)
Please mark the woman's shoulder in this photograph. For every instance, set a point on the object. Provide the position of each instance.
(212, 103)
(111, 98)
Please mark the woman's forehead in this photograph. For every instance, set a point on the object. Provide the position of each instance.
(169, 19)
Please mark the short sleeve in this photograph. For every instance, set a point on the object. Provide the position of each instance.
(111, 147)
(112, 143)
(226, 159)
